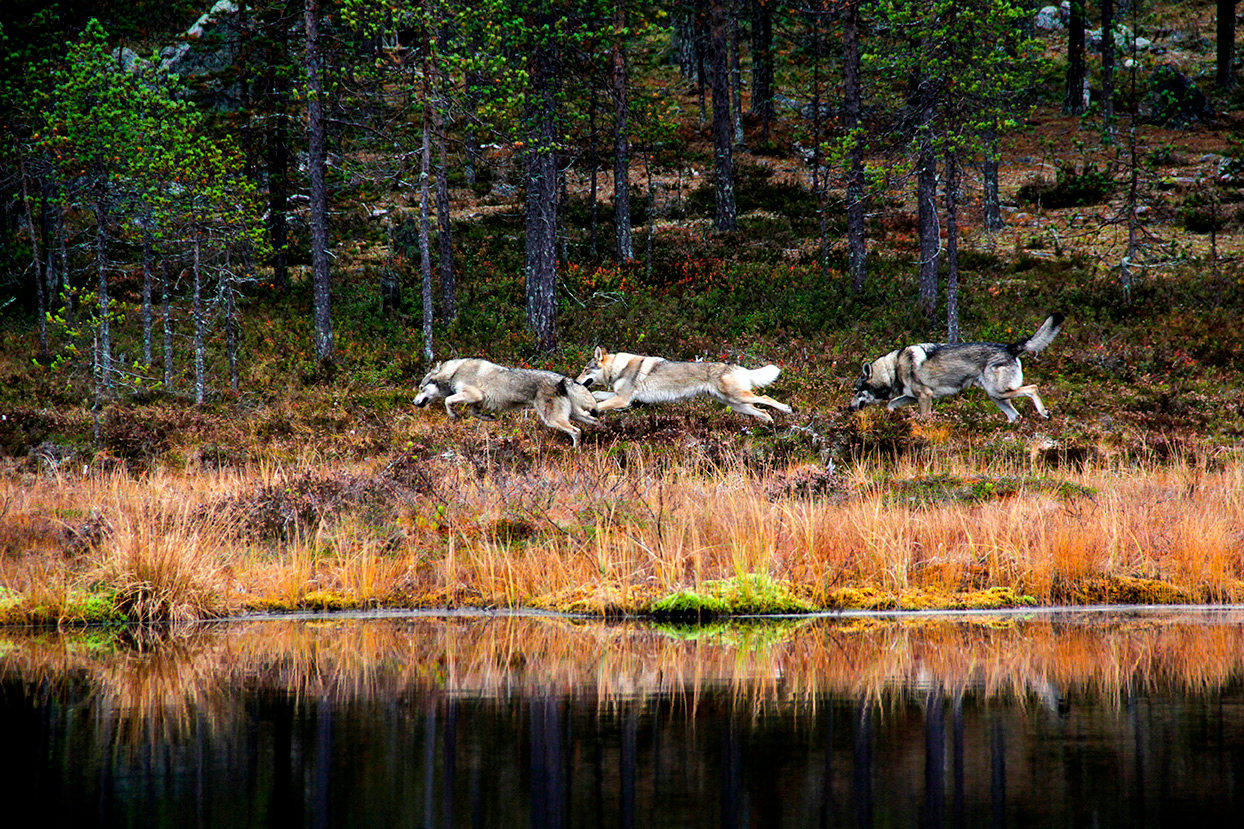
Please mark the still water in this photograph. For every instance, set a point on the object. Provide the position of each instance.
(1098, 719)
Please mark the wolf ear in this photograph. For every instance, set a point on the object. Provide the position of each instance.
(867, 371)
(598, 354)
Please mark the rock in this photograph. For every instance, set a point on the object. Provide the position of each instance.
(1174, 99)
(128, 60)
(208, 46)
(1049, 19)
(1123, 38)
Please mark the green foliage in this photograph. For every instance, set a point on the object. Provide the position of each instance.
(975, 53)
(137, 165)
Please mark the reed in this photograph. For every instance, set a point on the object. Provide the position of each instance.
(613, 532)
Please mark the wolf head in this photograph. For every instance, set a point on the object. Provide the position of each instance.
(597, 371)
(429, 388)
(867, 390)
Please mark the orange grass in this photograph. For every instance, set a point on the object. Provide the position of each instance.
(601, 533)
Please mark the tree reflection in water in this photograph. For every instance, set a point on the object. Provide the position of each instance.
(1101, 719)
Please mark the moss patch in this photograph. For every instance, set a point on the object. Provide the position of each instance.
(752, 593)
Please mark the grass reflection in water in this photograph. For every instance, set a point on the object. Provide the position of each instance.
(1047, 719)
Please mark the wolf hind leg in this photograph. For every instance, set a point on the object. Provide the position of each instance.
(766, 400)
(746, 407)
(1029, 391)
(554, 412)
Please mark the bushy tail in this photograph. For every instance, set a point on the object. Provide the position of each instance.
(1044, 336)
(763, 376)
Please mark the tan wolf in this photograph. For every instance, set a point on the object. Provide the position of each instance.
(635, 377)
(919, 373)
(487, 388)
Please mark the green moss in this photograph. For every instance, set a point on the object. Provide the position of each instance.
(861, 598)
(75, 607)
(326, 600)
(751, 593)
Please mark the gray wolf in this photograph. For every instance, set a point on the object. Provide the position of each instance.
(487, 388)
(635, 377)
(919, 373)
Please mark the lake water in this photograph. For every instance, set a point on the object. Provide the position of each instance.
(1063, 719)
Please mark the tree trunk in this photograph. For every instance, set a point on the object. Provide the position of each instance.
(852, 105)
(684, 34)
(244, 32)
(1107, 68)
(723, 124)
(1073, 103)
(701, 48)
(166, 295)
(444, 232)
(63, 242)
(652, 215)
(621, 142)
(425, 200)
(1225, 31)
(36, 256)
(541, 199)
(736, 74)
(200, 327)
(989, 171)
(231, 331)
(952, 248)
(820, 185)
(104, 324)
(316, 164)
(762, 64)
(147, 311)
(278, 162)
(593, 163)
(926, 197)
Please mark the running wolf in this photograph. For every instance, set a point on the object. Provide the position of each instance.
(488, 388)
(634, 377)
(919, 373)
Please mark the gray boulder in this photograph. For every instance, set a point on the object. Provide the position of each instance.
(207, 47)
(1050, 19)
(1174, 99)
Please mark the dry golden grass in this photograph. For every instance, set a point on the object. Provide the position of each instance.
(601, 533)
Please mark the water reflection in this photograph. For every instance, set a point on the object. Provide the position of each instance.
(1100, 720)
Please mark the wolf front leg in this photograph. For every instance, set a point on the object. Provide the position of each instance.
(469, 395)
(623, 395)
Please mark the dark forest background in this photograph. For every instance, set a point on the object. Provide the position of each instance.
(231, 206)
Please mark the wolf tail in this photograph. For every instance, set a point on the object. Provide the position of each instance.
(1044, 336)
(763, 376)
